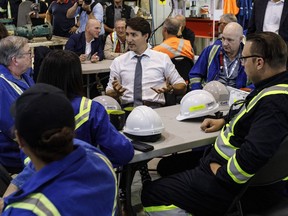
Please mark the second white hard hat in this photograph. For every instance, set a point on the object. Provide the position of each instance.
(108, 102)
(219, 92)
(196, 104)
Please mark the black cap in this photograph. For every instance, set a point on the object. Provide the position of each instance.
(41, 108)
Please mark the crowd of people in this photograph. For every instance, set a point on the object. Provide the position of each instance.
(71, 150)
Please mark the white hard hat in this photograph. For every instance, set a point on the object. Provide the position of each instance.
(219, 92)
(144, 122)
(197, 103)
(108, 102)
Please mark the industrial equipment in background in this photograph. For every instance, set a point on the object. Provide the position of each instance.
(24, 25)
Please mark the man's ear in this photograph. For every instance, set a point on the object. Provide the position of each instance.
(259, 63)
(14, 61)
(20, 140)
(146, 36)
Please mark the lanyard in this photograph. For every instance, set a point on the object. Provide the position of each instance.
(232, 68)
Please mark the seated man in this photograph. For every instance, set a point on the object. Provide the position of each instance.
(66, 172)
(15, 66)
(142, 75)
(185, 32)
(116, 43)
(172, 45)
(251, 135)
(86, 44)
(221, 62)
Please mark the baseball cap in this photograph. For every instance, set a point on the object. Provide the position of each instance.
(41, 108)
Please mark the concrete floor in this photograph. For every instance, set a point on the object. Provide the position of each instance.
(137, 185)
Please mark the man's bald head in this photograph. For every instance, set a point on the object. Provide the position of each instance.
(232, 38)
(92, 22)
(93, 29)
(234, 29)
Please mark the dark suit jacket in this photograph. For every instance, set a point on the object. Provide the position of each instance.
(257, 19)
(189, 35)
(77, 44)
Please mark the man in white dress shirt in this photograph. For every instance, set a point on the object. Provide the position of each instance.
(270, 15)
(159, 75)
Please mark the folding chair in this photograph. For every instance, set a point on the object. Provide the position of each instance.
(274, 171)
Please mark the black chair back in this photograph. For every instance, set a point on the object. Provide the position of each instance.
(272, 172)
(183, 65)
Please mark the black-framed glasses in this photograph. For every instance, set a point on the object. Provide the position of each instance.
(242, 58)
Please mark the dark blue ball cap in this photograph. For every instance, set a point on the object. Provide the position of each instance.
(41, 108)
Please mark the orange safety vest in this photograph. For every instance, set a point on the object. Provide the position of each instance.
(230, 6)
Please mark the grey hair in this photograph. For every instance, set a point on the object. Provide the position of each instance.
(172, 25)
(9, 47)
(229, 17)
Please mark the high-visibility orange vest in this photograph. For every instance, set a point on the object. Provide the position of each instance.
(230, 6)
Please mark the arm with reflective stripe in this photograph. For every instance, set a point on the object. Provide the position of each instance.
(236, 172)
(198, 73)
(114, 145)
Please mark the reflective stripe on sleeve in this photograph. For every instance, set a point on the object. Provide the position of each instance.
(13, 85)
(84, 112)
(222, 144)
(170, 49)
(38, 203)
(235, 171)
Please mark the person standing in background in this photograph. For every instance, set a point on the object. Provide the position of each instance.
(270, 15)
(56, 16)
(40, 18)
(116, 11)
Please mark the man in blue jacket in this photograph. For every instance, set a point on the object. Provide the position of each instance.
(15, 65)
(221, 61)
(87, 45)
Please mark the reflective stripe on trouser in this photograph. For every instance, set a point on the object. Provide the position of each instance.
(13, 85)
(223, 145)
(165, 211)
(84, 112)
(38, 203)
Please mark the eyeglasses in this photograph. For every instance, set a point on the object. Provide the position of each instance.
(242, 58)
(27, 53)
(221, 23)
